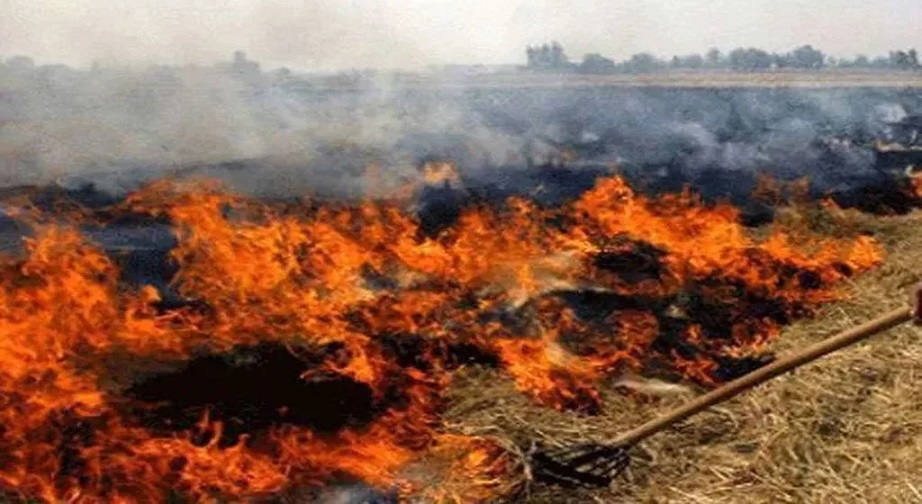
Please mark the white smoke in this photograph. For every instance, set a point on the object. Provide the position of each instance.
(890, 112)
(288, 136)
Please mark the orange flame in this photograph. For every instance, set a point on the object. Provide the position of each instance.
(341, 282)
(915, 184)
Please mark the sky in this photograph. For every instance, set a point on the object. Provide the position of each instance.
(338, 34)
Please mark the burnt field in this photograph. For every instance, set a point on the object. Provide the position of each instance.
(391, 295)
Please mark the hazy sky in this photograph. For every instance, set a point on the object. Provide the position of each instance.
(313, 34)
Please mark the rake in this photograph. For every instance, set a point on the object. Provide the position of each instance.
(597, 464)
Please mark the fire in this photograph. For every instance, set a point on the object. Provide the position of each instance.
(438, 173)
(357, 297)
(462, 469)
(915, 183)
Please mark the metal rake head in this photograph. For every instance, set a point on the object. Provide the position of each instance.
(585, 465)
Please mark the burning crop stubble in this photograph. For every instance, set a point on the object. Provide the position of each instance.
(214, 377)
(112, 396)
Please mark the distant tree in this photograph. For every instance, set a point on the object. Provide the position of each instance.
(750, 60)
(714, 58)
(743, 59)
(596, 64)
(241, 67)
(779, 61)
(692, 61)
(854, 63)
(532, 55)
(558, 58)
(804, 57)
(737, 59)
(904, 59)
(879, 62)
(547, 56)
(643, 62)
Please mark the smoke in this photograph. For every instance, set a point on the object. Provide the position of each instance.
(117, 127)
(267, 134)
(353, 494)
(688, 135)
(891, 112)
(59, 121)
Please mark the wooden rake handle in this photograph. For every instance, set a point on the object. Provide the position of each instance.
(765, 373)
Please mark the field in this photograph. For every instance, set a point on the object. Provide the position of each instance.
(841, 430)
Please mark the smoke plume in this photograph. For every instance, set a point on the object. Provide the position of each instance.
(268, 134)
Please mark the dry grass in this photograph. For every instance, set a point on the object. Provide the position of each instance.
(847, 428)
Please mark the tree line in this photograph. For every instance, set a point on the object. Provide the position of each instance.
(552, 57)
